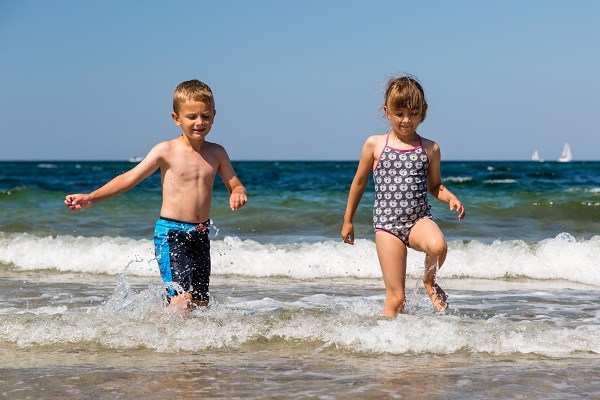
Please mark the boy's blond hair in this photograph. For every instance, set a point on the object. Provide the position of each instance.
(193, 90)
(405, 92)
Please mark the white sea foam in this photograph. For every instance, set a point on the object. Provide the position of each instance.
(458, 179)
(134, 320)
(500, 181)
(561, 258)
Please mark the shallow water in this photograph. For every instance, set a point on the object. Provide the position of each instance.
(83, 335)
(295, 312)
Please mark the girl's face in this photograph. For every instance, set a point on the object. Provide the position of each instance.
(404, 121)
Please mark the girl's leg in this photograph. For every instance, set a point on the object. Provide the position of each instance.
(427, 237)
(392, 258)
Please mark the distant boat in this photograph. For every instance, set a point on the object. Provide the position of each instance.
(566, 155)
(536, 157)
(135, 159)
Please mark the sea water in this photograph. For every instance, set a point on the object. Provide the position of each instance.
(295, 313)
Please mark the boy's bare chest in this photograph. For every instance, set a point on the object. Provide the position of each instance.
(192, 170)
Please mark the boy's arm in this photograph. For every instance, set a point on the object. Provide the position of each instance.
(120, 183)
(238, 196)
(357, 188)
(435, 186)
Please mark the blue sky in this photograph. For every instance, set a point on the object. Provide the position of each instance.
(93, 80)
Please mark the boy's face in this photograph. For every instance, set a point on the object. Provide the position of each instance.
(195, 118)
(404, 120)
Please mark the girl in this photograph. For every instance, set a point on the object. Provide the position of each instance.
(405, 166)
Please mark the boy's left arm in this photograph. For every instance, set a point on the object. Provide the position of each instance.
(238, 196)
(435, 186)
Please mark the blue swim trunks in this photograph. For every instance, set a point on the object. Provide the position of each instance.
(183, 255)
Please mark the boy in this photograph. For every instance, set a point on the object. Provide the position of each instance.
(188, 165)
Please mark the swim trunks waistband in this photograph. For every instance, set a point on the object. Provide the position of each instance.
(201, 225)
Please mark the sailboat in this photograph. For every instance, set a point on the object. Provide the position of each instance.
(566, 155)
(536, 157)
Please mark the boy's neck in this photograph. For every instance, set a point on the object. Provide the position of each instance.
(193, 143)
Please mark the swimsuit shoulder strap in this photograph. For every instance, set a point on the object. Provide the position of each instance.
(387, 137)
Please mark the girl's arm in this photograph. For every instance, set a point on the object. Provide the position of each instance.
(359, 184)
(434, 182)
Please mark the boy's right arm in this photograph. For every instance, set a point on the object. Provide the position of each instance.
(359, 184)
(120, 183)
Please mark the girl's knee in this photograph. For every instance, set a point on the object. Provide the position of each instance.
(437, 247)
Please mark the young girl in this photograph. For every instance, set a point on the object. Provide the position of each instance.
(405, 166)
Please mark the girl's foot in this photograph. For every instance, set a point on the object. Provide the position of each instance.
(438, 297)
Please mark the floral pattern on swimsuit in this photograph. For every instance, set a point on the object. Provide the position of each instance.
(400, 190)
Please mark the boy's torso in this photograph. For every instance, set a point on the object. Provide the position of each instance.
(187, 178)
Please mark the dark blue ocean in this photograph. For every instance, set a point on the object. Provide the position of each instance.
(293, 201)
(294, 311)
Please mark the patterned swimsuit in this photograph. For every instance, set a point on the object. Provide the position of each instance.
(400, 190)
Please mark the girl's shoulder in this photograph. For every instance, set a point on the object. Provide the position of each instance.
(431, 148)
(429, 144)
(376, 139)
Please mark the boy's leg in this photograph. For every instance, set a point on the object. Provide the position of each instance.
(183, 255)
(392, 259)
(427, 237)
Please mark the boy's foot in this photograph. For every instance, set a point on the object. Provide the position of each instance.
(438, 297)
(180, 302)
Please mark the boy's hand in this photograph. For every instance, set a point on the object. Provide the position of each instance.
(77, 201)
(237, 200)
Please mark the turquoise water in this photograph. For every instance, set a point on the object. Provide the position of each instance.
(305, 201)
(294, 311)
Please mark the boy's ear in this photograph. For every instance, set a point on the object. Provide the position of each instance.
(175, 118)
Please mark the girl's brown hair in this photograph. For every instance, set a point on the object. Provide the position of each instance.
(405, 92)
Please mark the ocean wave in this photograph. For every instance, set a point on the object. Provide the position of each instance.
(563, 257)
(458, 179)
(134, 320)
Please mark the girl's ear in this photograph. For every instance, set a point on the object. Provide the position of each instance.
(385, 111)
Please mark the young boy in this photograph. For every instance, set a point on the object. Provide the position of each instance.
(188, 165)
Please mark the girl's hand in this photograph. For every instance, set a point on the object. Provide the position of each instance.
(348, 233)
(456, 205)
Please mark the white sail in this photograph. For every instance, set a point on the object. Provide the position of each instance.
(566, 155)
(536, 157)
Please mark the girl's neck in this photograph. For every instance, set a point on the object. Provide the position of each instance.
(409, 140)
